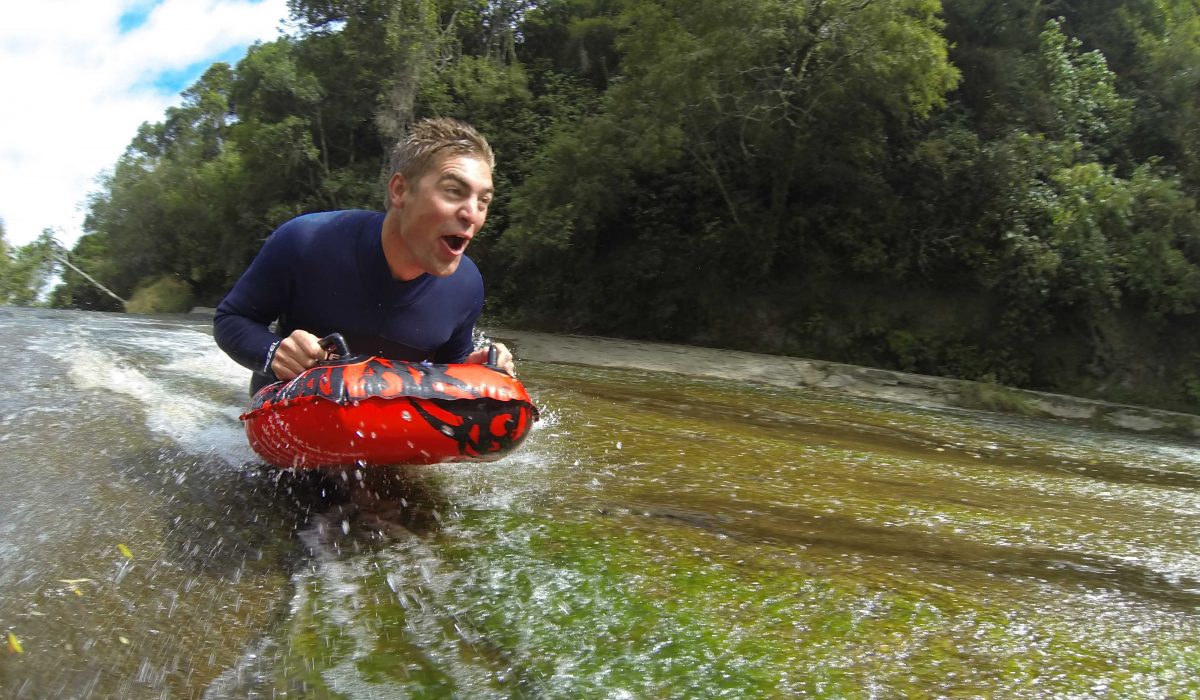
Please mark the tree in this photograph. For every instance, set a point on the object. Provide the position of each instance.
(717, 148)
(5, 259)
(26, 272)
(1168, 86)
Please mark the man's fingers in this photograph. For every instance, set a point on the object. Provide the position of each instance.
(295, 354)
(504, 360)
(307, 345)
(287, 364)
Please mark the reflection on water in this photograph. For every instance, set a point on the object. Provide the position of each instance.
(657, 536)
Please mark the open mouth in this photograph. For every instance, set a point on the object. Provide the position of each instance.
(456, 243)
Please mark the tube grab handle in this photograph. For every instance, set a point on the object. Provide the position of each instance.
(335, 344)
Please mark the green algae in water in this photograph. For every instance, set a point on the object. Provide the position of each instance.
(667, 537)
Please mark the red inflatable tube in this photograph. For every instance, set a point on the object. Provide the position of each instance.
(374, 411)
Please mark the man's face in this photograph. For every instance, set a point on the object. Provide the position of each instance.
(440, 214)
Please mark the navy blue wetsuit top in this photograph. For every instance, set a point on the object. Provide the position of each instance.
(327, 273)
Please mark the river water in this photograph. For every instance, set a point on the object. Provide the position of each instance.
(656, 537)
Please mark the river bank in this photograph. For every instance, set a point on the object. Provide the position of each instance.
(865, 382)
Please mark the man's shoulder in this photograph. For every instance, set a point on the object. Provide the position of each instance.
(462, 287)
(326, 223)
(467, 276)
(468, 269)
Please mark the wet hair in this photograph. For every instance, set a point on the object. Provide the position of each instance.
(430, 139)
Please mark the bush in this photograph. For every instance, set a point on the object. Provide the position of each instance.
(165, 295)
(989, 395)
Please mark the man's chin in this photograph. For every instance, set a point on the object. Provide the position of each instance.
(445, 269)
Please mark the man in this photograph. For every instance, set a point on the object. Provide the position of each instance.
(396, 284)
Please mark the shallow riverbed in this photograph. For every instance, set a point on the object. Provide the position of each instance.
(657, 536)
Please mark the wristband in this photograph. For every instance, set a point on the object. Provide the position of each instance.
(271, 358)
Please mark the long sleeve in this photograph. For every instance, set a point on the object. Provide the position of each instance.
(462, 341)
(241, 323)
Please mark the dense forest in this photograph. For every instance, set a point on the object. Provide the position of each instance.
(995, 191)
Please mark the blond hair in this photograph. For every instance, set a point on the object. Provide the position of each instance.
(426, 141)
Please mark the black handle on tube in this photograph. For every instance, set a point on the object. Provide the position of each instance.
(336, 344)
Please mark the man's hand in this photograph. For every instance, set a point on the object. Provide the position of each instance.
(296, 353)
(504, 358)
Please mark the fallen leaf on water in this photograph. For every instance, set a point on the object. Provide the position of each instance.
(125, 550)
(73, 581)
(124, 640)
(14, 644)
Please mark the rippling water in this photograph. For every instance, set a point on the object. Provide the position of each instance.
(657, 536)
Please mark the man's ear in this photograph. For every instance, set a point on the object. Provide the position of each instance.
(397, 190)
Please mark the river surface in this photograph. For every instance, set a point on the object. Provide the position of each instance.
(657, 536)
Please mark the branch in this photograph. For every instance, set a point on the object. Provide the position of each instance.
(60, 254)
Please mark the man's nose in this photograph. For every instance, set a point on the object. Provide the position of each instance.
(471, 211)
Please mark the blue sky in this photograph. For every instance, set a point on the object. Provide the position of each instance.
(77, 78)
(134, 15)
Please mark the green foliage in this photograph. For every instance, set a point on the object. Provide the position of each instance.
(992, 396)
(1168, 86)
(6, 262)
(1161, 260)
(26, 271)
(162, 296)
(1081, 105)
(721, 166)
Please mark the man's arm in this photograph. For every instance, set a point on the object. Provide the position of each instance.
(240, 325)
(460, 348)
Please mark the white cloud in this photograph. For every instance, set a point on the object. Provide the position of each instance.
(74, 89)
